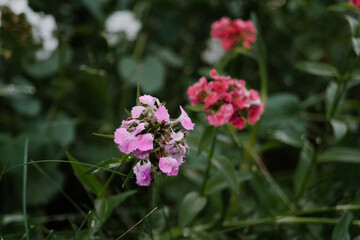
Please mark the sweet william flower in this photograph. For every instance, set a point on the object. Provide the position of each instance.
(154, 139)
(231, 32)
(227, 100)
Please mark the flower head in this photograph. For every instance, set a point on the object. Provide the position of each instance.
(226, 100)
(121, 22)
(151, 136)
(231, 32)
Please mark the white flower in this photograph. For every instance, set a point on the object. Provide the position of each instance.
(212, 54)
(121, 22)
(43, 26)
(16, 6)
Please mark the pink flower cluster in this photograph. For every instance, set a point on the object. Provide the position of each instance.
(231, 32)
(226, 100)
(151, 136)
(356, 3)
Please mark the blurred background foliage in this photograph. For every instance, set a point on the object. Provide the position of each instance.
(84, 86)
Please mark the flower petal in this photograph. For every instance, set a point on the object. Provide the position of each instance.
(185, 120)
(169, 166)
(162, 114)
(144, 142)
(142, 172)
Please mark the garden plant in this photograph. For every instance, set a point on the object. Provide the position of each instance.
(158, 119)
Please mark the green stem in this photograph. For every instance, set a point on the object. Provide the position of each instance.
(264, 171)
(282, 220)
(140, 46)
(209, 163)
(340, 92)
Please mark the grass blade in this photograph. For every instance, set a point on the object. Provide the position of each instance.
(3, 169)
(24, 188)
(147, 215)
(104, 135)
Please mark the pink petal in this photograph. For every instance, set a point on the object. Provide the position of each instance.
(145, 142)
(147, 99)
(125, 140)
(169, 166)
(138, 129)
(137, 111)
(162, 114)
(142, 172)
(185, 120)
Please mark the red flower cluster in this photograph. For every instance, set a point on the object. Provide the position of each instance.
(356, 3)
(231, 32)
(226, 100)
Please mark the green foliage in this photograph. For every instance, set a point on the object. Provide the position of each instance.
(89, 181)
(191, 205)
(341, 230)
(287, 177)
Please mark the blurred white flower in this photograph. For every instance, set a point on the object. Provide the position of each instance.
(43, 26)
(213, 52)
(16, 6)
(121, 22)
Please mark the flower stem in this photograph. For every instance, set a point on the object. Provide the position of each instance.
(209, 163)
(340, 93)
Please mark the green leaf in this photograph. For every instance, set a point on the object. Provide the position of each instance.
(339, 128)
(47, 68)
(265, 194)
(206, 139)
(330, 96)
(341, 154)
(303, 166)
(138, 94)
(218, 182)
(94, 7)
(26, 105)
(341, 230)
(62, 130)
(288, 137)
(168, 56)
(107, 164)
(190, 206)
(150, 73)
(88, 181)
(356, 45)
(341, 7)
(227, 168)
(353, 23)
(317, 68)
(104, 208)
(104, 135)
